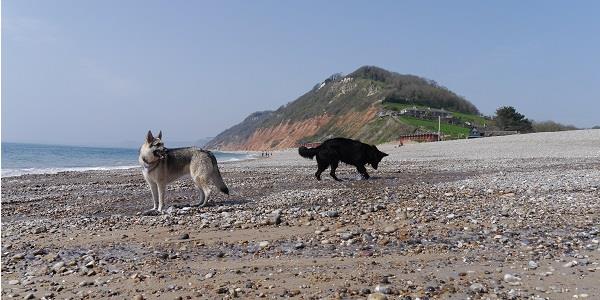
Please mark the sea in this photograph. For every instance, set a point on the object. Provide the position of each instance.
(19, 159)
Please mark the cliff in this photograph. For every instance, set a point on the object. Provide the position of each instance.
(345, 106)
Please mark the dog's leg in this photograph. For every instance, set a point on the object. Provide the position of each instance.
(154, 189)
(206, 191)
(321, 167)
(203, 189)
(161, 195)
(202, 198)
(334, 166)
(363, 171)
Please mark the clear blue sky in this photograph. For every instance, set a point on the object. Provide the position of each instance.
(104, 72)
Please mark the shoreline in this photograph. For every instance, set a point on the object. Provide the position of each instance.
(15, 172)
(496, 217)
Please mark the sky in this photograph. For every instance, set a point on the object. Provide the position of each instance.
(104, 72)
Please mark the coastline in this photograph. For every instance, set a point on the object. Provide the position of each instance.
(436, 220)
(12, 172)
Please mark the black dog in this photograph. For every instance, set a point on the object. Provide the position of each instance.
(352, 152)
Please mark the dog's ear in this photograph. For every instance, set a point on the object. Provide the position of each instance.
(149, 137)
(159, 136)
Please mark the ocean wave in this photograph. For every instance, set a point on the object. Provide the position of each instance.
(25, 171)
(12, 172)
(237, 158)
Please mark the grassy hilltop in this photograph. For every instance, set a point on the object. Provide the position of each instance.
(349, 106)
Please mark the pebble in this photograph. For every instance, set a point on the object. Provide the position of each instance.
(477, 288)
(209, 275)
(332, 213)
(40, 229)
(18, 256)
(532, 265)
(377, 296)
(346, 235)
(29, 296)
(383, 288)
(274, 218)
(390, 229)
(511, 279)
(57, 266)
(571, 264)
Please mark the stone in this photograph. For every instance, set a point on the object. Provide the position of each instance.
(184, 236)
(263, 244)
(57, 266)
(18, 256)
(571, 264)
(85, 283)
(346, 235)
(40, 229)
(511, 279)
(377, 296)
(274, 218)
(209, 275)
(477, 288)
(389, 229)
(29, 296)
(332, 214)
(532, 265)
(383, 288)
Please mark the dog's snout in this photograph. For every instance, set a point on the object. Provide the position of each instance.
(159, 153)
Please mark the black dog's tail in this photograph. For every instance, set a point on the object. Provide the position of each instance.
(308, 152)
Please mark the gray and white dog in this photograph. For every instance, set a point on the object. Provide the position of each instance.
(161, 166)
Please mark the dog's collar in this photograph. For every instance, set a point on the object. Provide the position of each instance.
(148, 167)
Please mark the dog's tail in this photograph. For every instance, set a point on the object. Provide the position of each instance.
(220, 184)
(217, 179)
(308, 152)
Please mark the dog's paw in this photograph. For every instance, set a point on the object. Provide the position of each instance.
(151, 212)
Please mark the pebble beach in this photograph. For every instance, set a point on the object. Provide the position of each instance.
(513, 217)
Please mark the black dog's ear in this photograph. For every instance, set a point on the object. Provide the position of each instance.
(159, 136)
(149, 137)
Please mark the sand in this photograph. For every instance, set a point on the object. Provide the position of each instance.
(513, 217)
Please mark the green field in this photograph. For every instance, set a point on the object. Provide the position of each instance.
(475, 119)
(454, 131)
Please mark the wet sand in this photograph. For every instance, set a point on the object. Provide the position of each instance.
(512, 217)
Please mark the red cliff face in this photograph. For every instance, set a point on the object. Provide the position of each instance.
(288, 134)
(282, 136)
